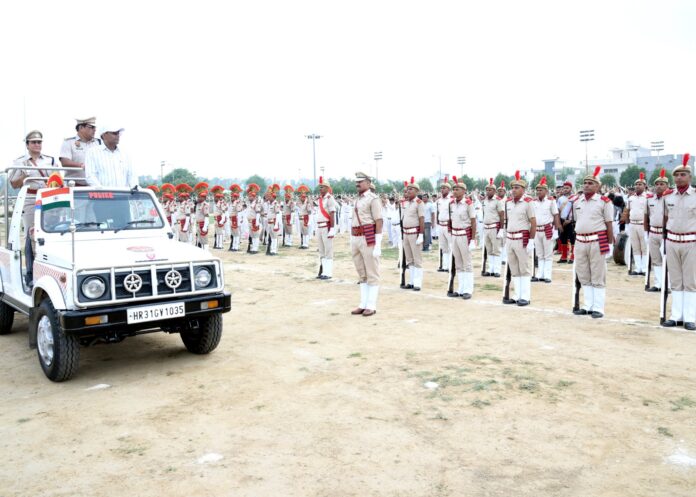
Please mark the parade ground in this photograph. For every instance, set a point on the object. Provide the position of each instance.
(432, 396)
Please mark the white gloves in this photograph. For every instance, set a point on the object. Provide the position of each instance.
(530, 246)
(377, 251)
(332, 232)
(611, 251)
(500, 235)
(554, 236)
(419, 239)
(472, 244)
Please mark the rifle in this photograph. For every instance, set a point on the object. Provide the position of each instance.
(647, 273)
(437, 220)
(485, 258)
(664, 291)
(249, 247)
(453, 266)
(402, 252)
(440, 268)
(508, 271)
(629, 248)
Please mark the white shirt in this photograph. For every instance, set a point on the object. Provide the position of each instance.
(104, 167)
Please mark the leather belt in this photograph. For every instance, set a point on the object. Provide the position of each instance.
(490, 226)
(656, 229)
(681, 237)
(517, 235)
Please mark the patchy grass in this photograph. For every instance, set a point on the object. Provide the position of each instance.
(480, 404)
(681, 403)
(491, 287)
(664, 432)
(354, 354)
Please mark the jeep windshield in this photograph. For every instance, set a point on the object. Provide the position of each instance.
(102, 210)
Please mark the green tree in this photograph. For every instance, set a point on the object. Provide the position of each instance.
(258, 180)
(608, 180)
(656, 173)
(501, 177)
(630, 175)
(145, 181)
(480, 184)
(565, 173)
(180, 175)
(425, 185)
(550, 181)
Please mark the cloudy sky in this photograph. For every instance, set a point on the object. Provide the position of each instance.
(232, 88)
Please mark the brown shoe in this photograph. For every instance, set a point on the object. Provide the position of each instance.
(369, 312)
(357, 311)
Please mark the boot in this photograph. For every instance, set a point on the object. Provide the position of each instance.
(372, 293)
(417, 278)
(548, 268)
(328, 269)
(657, 278)
(467, 289)
(598, 304)
(690, 311)
(525, 290)
(496, 266)
(677, 314)
(637, 265)
(255, 245)
(409, 285)
(644, 267)
(587, 301)
(274, 245)
(461, 284)
(363, 300)
(564, 253)
(288, 240)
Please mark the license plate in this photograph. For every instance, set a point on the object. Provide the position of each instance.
(147, 313)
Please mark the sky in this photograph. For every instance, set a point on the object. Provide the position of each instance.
(231, 89)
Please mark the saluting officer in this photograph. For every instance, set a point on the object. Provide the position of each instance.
(366, 244)
(594, 238)
(548, 226)
(520, 233)
(412, 224)
(463, 239)
(654, 220)
(493, 207)
(73, 150)
(680, 207)
(635, 214)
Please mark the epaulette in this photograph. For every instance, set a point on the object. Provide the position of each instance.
(606, 199)
(469, 201)
(573, 198)
(650, 195)
(668, 191)
(70, 138)
(528, 199)
(498, 198)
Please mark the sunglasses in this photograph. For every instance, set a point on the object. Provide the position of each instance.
(34, 142)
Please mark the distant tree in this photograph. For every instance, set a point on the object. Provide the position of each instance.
(180, 175)
(501, 177)
(550, 180)
(630, 175)
(256, 179)
(145, 181)
(565, 173)
(425, 185)
(656, 173)
(480, 184)
(608, 180)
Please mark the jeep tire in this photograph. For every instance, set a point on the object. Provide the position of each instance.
(206, 338)
(59, 354)
(6, 318)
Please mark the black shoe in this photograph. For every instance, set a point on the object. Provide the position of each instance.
(466, 296)
(522, 302)
(502, 263)
(652, 289)
(642, 273)
(597, 315)
(440, 270)
(406, 287)
(670, 323)
(562, 261)
(534, 278)
(324, 277)
(546, 280)
(509, 301)
(690, 326)
(486, 273)
(416, 289)
(496, 275)
(633, 273)
(453, 294)
(580, 312)
(318, 277)
(253, 252)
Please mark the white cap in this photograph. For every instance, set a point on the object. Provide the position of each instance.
(110, 128)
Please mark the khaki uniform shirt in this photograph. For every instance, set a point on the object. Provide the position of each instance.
(253, 209)
(636, 205)
(75, 149)
(462, 212)
(681, 211)
(592, 215)
(519, 214)
(443, 209)
(411, 212)
(25, 160)
(544, 210)
(329, 203)
(655, 209)
(305, 207)
(491, 209)
(369, 209)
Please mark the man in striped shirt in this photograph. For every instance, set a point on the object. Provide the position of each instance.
(107, 165)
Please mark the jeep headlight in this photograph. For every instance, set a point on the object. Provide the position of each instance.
(93, 287)
(203, 277)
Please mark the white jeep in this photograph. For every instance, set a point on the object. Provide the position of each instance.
(106, 267)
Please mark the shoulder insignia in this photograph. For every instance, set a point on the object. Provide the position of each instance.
(468, 201)
(573, 198)
(528, 199)
(668, 192)
(649, 195)
(606, 199)
(498, 198)
(70, 138)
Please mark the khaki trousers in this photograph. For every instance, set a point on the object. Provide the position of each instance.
(543, 246)
(518, 258)
(462, 255)
(444, 239)
(681, 266)
(590, 265)
(654, 244)
(491, 241)
(414, 253)
(365, 263)
(637, 238)
(324, 243)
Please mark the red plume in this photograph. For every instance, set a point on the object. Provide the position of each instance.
(662, 173)
(412, 180)
(321, 179)
(543, 180)
(446, 177)
(641, 176)
(596, 171)
(454, 178)
(517, 175)
(490, 182)
(502, 183)
(405, 184)
(685, 160)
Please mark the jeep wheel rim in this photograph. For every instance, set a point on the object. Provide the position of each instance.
(44, 339)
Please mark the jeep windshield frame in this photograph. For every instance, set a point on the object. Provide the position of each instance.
(105, 210)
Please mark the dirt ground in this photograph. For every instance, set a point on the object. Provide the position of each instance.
(431, 397)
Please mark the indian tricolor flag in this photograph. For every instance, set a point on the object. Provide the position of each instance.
(58, 197)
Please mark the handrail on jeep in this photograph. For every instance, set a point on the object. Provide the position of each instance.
(31, 178)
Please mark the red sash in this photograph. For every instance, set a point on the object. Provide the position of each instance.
(182, 223)
(548, 231)
(305, 218)
(323, 211)
(369, 232)
(218, 219)
(603, 242)
(254, 226)
(287, 218)
(200, 227)
(235, 222)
